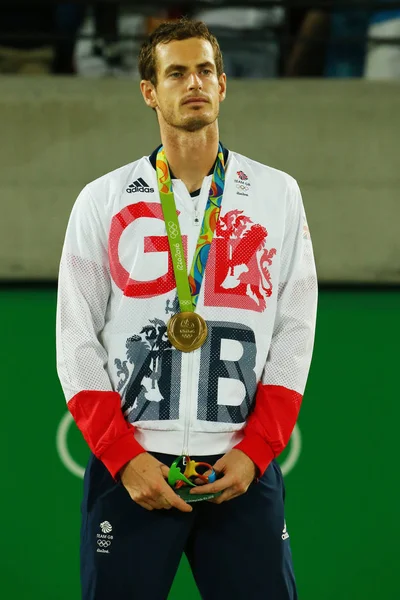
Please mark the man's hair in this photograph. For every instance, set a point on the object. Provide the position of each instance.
(183, 29)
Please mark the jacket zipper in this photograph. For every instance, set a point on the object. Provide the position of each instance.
(185, 450)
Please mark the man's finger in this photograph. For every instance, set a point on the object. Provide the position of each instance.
(180, 504)
(164, 471)
(211, 488)
(174, 500)
(198, 481)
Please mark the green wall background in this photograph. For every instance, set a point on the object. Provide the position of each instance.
(342, 496)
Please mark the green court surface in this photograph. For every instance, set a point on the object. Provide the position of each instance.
(342, 493)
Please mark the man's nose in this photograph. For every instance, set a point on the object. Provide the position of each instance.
(194, 82)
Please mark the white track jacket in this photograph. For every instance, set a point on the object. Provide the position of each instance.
(127, 388)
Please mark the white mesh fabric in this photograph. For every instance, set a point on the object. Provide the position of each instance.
(293, 336)
(83, 293)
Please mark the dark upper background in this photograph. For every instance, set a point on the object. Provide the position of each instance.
(264, 38)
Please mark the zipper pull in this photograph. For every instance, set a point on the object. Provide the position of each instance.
(196, 217)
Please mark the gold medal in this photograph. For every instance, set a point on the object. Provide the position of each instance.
(187, 331)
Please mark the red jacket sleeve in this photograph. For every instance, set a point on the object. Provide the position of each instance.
(270, 425)
(109, 436)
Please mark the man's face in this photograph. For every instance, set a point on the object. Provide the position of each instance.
(188, 90)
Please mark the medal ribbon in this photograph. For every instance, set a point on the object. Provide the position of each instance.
(188, 287)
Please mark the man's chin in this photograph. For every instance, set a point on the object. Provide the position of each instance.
(196, 123)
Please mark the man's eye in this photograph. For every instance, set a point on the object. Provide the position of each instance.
(176, 74)
(206, 71)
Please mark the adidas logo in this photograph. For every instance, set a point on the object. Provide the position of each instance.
(139, 186)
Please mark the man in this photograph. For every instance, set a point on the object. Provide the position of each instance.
(221, 383)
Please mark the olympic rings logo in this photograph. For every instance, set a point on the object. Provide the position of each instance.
(103, 543)
(76, 469)
(173, 230)
(241, 186)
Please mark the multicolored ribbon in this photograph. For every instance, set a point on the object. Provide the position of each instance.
(210, 219)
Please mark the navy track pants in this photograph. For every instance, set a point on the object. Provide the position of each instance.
(237, 550)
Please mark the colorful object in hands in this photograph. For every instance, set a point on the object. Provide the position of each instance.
(183, 471)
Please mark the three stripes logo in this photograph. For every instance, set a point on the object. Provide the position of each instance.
(139, 186)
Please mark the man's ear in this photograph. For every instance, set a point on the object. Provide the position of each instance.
(222, 87)
(149, 93)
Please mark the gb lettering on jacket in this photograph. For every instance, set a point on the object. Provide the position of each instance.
(237, 287)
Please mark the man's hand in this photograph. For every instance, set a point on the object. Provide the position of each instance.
(237, 470)
(144, 477)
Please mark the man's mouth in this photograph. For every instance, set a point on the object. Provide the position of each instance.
(195, 100)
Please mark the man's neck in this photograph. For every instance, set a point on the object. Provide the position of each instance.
(191, 155)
